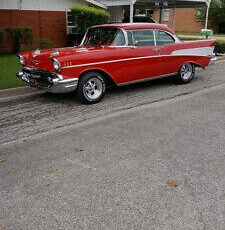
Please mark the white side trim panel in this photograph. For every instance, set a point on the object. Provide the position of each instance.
(203, 51)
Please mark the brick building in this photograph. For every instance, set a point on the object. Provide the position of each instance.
(185, 19)
(48, 18)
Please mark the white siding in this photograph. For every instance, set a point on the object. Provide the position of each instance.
(51, 5)
(118, 2)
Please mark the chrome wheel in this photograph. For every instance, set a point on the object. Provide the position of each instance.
(186, 71)
(93, 88)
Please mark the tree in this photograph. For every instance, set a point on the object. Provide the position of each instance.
(1, 36)
(216, 15)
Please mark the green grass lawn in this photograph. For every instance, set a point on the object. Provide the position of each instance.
(9, 65)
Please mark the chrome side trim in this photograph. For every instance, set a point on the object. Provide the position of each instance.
(147, 79)
(82, 42)
(154, 37)
(125, 37)
(93, 63)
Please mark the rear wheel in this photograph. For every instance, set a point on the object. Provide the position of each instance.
(186, 73)
(91, 88)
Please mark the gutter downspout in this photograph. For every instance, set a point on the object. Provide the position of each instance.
(207, 14)
(131, 10)
(174, 15)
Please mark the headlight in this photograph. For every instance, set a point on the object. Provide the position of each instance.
(56, 64)
(22, 60)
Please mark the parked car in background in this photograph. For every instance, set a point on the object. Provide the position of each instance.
(115, 54)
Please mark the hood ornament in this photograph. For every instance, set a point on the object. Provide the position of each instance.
(55, 53)
(36, 53)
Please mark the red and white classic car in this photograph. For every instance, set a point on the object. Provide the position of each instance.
(115, 54)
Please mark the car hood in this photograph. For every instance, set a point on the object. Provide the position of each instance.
(41, 59)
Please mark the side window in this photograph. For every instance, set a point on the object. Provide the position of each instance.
(119, 39)
(144, 37)
(163, 38)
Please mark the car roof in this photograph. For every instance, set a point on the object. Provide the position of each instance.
(134, 26)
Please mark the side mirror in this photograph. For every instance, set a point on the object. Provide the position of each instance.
(135, 43)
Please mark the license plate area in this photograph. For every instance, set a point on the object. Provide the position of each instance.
(33, 84)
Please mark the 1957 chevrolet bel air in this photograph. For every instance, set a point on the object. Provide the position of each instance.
(115, 54)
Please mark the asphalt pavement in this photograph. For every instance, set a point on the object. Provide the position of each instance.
(132, 143)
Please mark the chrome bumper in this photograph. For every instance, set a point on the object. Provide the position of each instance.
(213, 60)
(54, 83)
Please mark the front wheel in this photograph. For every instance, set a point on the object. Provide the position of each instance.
(91, 88)
(186, 73)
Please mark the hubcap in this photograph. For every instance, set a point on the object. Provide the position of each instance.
(93, 88)
(186, 71)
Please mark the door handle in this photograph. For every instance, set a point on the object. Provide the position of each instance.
(156, 49)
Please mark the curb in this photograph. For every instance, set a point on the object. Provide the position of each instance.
(18, 93)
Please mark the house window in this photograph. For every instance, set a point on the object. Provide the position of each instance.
(199, 15)
(165, 15)
(70, 21)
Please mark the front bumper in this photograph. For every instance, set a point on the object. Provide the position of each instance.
(213, 59)
(48, 81)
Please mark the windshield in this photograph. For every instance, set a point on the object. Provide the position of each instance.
(103, 36)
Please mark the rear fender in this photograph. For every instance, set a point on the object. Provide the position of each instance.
(198, 53)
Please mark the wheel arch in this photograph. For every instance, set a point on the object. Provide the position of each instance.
(108, 78)
(194, 63)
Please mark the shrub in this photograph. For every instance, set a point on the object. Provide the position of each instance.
(188, 38)
(19, 36)
(219, 48)
(1, 36)
(44, 43)
(216, 15)
(85, 16)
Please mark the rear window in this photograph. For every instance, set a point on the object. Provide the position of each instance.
(163, 38)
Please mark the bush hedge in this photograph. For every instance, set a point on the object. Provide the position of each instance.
(85, 16)
(19, 36)
(1, 36)
(219, 48)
